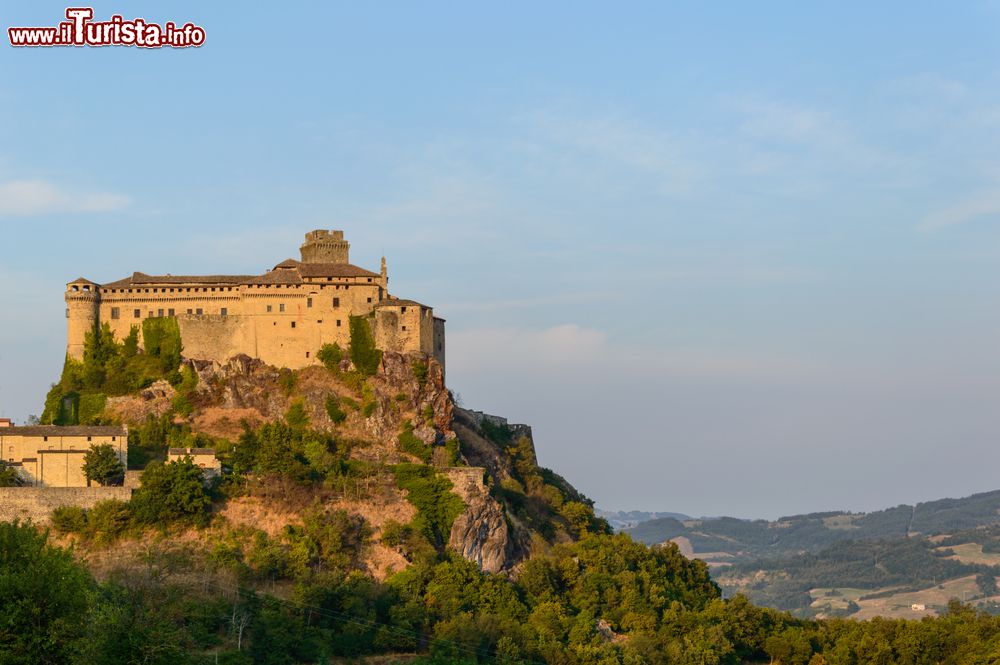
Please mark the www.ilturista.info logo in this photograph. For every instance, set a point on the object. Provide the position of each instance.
(81, 30)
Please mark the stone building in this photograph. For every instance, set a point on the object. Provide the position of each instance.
(282, 317)
(201, 457)
(51, 456)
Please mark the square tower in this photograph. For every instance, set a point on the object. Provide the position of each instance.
(323, 246)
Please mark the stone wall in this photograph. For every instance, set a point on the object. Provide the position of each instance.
(214, 337)
(37, 503)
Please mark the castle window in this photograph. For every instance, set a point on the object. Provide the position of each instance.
(45, 438)
(369, 279)
(67, 312)
(404, 310)
(170, 312)
(198, 311)
(336, 302)
(90, 438)
(150, 314)
(338, 323)
(154, 290)
(116, 313)
(190, 311)
(281, 307)
(309, 302)
(268, 309)
(76, 288)
(307, 354)
(320, 322)
(404, 327)
(293, 324)
(224, 311)
(159, 313)
(137, 314)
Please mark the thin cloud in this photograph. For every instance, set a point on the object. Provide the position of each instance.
(32, 198)
(569, 349)
(985, 204)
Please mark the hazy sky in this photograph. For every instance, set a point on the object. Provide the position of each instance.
(741, 259)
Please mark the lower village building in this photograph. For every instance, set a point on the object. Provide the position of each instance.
(52, 456)
(204, 458)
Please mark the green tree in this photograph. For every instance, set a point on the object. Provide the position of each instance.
(101, 465)
(169, 492)
(364, 355)
(9, 477)
(43, 598)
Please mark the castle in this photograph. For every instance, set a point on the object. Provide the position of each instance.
(282, 317)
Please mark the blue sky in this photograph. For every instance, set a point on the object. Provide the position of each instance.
(736, 259)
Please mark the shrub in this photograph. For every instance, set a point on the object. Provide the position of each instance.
(337, 415)
(419, 371)
(296, 416)
(331, 355)
(69, 519)
(409, 443)
(108, 520)
(286, 381)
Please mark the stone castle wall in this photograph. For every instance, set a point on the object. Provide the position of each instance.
(37, 503)
(283, 317)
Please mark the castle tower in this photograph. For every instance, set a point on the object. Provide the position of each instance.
(325, 247)
(83, 301)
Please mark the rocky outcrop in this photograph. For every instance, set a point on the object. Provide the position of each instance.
(240, 383)
(428, 398)
(152, 401)
(480, 534)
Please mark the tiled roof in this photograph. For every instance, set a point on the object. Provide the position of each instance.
(289, 271)
(83, 280)
(56, 430)
(334, 270)
(399, 302)
(277, 277)
(192, 451)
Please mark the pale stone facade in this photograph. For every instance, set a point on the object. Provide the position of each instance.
(201, 457)
(51, 456)
(282, 317)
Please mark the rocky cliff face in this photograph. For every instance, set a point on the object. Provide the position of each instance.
(480, 534)
(408, 391)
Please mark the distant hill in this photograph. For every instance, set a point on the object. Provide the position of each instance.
(814, 531)
(625, 519)
(883, 563)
